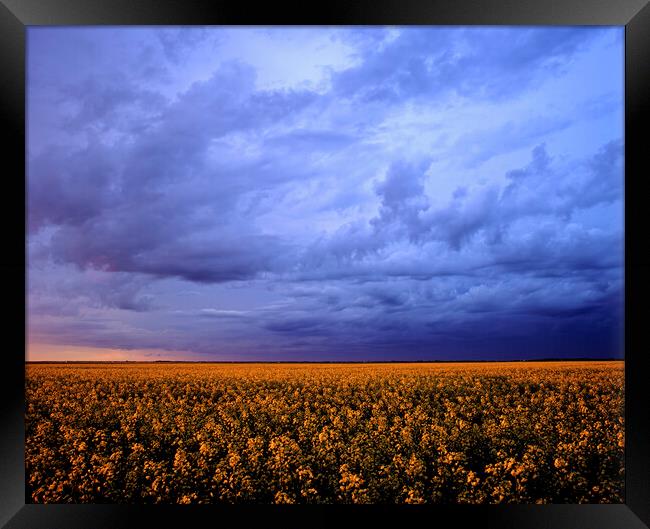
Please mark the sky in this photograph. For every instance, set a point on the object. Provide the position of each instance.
(325, 193)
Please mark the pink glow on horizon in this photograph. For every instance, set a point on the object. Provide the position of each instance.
(38, 352)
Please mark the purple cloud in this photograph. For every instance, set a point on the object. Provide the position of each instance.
(331, 193)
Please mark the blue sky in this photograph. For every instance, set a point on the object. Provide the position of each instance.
(325, 193)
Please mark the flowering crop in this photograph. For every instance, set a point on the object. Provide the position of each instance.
(550, 432)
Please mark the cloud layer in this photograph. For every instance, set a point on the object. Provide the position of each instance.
(326, 193)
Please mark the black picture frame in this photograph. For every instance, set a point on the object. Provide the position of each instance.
(16, 15)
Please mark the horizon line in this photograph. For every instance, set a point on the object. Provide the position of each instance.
(549, 359)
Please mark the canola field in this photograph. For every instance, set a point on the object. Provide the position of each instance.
(546, 432)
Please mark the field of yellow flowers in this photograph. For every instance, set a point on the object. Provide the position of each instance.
(325, 433)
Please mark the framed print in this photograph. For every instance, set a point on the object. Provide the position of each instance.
(309, 267)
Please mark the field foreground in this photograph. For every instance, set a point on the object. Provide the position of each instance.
(325, 433)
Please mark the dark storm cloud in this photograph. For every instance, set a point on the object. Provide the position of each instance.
(296, 327)
(71, 293)
(137, 207)
(168, 250)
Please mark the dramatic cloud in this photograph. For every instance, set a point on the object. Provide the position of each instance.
(326, 193)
